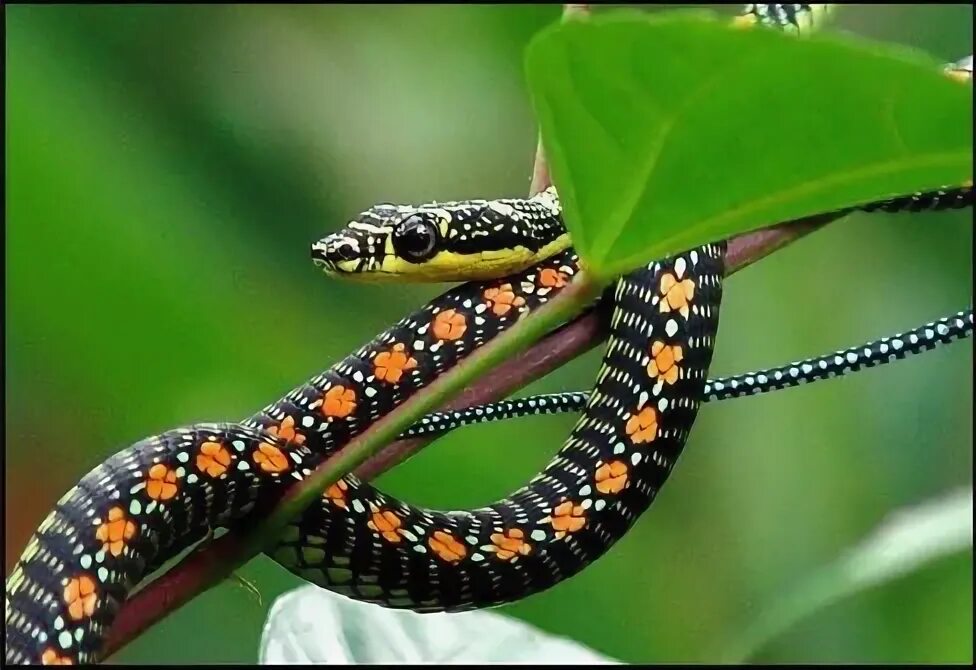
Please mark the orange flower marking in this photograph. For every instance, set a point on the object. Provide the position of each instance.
(611, 477)
(80, 597)
(449, 325)
(390, 365)
(213, 458)
(642, 427)
(663, 361)
(568, 518)
(550, 278)
(286, 430)
(386, 524)
(336, 494)
(51, 657)
(447, 547)
(510, 544)
(161, 484)
(115, 531)
(270, 458)
(677, 294)
(502, 299)
(338, 402)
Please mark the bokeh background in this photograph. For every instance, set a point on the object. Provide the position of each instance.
(167, 168)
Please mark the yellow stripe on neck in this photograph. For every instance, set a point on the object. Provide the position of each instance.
(449, 266)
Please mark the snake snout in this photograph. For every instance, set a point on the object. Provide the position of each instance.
(333, 253)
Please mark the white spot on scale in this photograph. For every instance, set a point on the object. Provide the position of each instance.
(641, 400)
(538, 535)
(135, 507)
(64, 639)
(671, 327)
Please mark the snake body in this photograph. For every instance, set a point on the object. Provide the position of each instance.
(150, 501)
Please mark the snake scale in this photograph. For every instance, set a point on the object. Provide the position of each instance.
(153, 499)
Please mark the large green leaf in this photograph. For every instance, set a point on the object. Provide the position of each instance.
(663, 132)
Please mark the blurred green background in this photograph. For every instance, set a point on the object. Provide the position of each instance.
(167, 168)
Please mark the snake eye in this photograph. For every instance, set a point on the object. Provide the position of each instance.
(415, 238)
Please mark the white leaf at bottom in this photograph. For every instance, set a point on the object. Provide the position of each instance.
(312, 625)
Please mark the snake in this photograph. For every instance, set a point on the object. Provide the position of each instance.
(161, 495)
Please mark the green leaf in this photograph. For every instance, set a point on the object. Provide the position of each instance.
(911, 539)
(663, 132)
(312, 625)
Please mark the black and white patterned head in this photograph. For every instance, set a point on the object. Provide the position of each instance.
(448, 241)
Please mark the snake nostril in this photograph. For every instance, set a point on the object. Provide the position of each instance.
(344, 252)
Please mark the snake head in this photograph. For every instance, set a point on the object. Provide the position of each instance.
(380, 240)
(448, 241)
